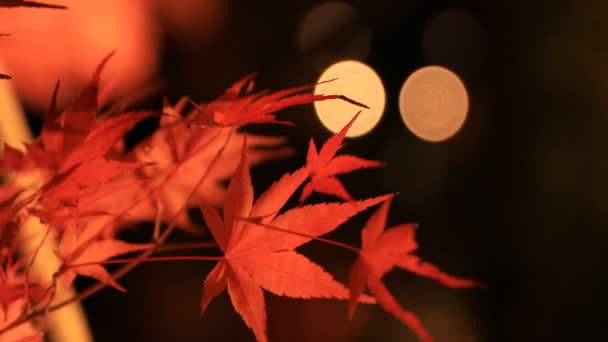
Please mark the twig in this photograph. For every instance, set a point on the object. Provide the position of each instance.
(130, 266)
(308, 236)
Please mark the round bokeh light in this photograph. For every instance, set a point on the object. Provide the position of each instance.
(359, 82)
(433, 103)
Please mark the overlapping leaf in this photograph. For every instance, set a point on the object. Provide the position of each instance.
(232, 109)
(91, 186)
(181, 155)
(82, 249)
(257, 257)
(21, 333)
(381, 251)
(325, 165)
(63, 132)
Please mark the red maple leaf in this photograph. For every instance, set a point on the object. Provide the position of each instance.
(65, 191)
(63, 132)
(256, 257)
(238, 107)
(85, 168)
(381, 251)
(15, 294)
(181, 153)
(13, 159)
(12, 289)
(25, 332)
(324, 166)
(73, 129)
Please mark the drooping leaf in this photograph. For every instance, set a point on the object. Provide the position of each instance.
(390, 304)
(381, 251)
(248, 299)
(414, 264)
(214, 284)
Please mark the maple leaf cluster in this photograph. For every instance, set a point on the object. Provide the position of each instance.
(89, 186)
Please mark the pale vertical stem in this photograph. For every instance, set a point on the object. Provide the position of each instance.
(69, 323)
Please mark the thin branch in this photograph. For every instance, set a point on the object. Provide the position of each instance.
(147, 259)
(25, 3)
(68, 324)
(130, 266)
(320, 239)
(186, 245)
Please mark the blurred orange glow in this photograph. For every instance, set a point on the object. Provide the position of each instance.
(67, 44)
(358, 82)
(433, 103)
(331, 32)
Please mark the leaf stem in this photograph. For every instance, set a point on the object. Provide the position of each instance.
(146, 259)
(186, 245)
(320, 239)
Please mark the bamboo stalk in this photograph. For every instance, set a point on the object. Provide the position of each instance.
(68, 324)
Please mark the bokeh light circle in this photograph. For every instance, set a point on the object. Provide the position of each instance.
(433, 103)
(359, 82)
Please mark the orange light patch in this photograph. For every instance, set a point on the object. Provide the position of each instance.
(433, 103)
(359, 82)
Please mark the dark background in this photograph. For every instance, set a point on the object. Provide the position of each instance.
(515, 199)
